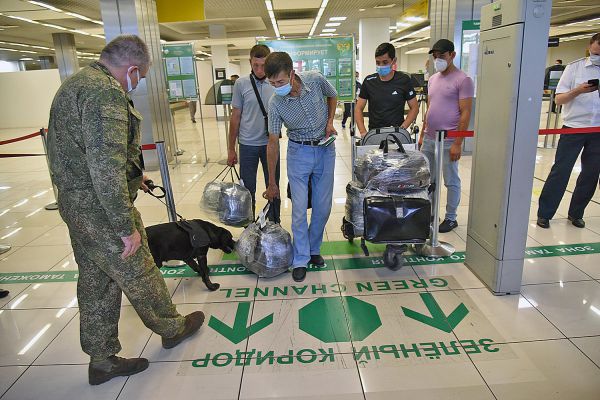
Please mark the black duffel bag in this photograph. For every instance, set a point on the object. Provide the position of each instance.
(390, 219)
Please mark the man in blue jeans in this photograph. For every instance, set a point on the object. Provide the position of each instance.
(249, 126)
(450, 95)
(300, 104)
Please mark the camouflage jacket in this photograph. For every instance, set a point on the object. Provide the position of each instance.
(93, 146)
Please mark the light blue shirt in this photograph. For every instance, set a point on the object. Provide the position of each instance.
(304, 116)
(253, 131)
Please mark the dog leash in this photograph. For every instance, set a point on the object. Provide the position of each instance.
(151, 186)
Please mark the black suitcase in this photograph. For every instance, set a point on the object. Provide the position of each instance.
(392, 219)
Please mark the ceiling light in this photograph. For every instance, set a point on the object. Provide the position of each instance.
(329, 30)
(318, 18)
(269, 5)
(411, 34)
(402, 24)
(385, 6)
(414, 19)
(98, 36)
(72, 14)
(80, 32)
(62, 28)
(361, 9)
(22, 19)
(48, 6)
(328, 34)
(333, 24)
(26, 59)
(337, 18)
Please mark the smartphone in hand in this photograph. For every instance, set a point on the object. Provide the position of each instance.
(593, 82)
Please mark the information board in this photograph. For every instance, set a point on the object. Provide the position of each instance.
(333, 57)
(180, 70)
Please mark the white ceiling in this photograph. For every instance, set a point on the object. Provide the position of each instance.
(245, 20)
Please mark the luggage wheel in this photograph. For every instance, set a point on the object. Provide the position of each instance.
(392, 257)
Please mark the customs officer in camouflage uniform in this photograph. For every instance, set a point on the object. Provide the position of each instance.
(95, 160)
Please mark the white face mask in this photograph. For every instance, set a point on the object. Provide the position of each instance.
(130, 88)
(595, 59)
(440, 64)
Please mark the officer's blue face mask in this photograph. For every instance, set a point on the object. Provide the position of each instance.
(383, 70)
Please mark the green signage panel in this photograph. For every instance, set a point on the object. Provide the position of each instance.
(333, 57)
(180, 70)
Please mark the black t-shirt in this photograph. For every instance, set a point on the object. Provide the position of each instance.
(386, 99)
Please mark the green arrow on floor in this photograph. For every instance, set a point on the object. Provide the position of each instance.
(438, 319)
(239, 331)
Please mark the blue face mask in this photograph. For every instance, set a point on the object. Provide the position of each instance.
(383, 70)
(283, 90)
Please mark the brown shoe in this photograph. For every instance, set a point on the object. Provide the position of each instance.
(193, 322)
(103, 371)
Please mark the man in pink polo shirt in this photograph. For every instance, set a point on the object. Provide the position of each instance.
(450, 94)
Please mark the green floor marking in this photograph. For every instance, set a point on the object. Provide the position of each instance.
(324, 319)
(438, 319)
(337, 248)
(240, 331)
(339, 263)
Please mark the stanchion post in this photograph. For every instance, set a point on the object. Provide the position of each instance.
(436, 247)
(558, 111)
(166, 180)
(51, 206)
(549, 116)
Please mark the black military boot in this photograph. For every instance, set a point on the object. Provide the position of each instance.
(103, 371)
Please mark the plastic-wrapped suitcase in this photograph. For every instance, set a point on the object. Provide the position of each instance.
(398, 218)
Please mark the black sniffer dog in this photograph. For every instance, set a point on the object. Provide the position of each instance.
(189, 242)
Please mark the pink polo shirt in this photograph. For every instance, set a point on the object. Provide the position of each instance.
(444, 91)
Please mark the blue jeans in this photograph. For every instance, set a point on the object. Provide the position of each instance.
(450, 173)
(249, 157)
(302, 162)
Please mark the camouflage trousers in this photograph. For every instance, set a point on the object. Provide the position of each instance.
(103, 276)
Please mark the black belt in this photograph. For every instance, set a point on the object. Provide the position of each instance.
(306, 142)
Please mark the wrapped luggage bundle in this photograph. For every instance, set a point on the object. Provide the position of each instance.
(265, 249)
(393, 172)
(355, 197)
(229, 202)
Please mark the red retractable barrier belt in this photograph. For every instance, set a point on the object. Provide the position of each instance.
(562, 131)
(149, 146)
(18, 139)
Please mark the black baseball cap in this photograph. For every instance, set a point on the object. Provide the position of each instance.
(442, 45)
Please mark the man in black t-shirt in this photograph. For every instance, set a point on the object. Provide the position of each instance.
(387, 92)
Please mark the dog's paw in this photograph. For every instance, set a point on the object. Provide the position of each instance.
(213, 286)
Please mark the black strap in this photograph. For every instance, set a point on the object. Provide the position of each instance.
(394, 139)
(260, 103)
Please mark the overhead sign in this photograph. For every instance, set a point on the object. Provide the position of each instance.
(180, 10)
(553, 42)
(333, 57)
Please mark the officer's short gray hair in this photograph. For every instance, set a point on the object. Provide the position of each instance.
(126, 50)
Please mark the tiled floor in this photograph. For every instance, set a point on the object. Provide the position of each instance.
(428, 331)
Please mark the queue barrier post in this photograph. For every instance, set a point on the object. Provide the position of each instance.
(435, 247)
(166, 180)
(52, 206)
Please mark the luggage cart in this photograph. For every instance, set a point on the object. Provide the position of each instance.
(416, 231)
